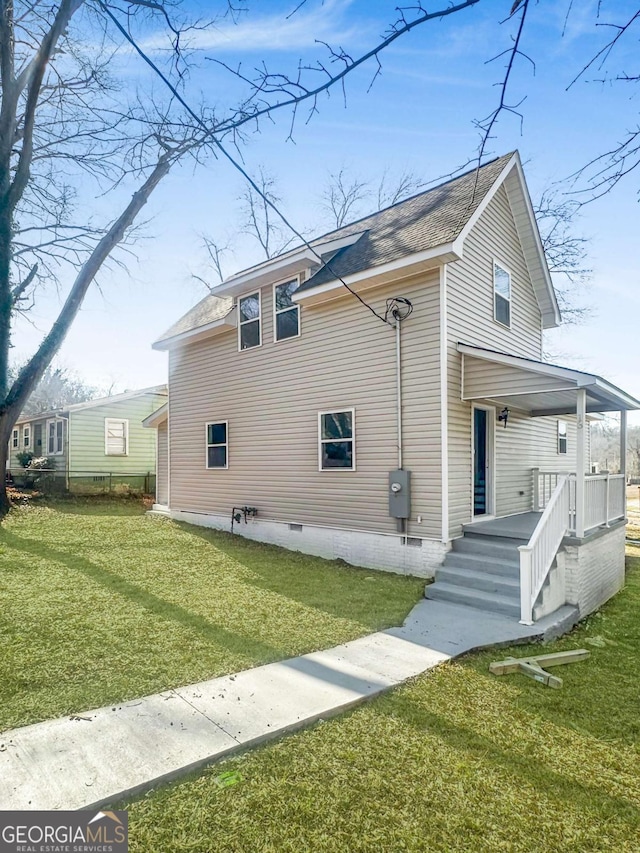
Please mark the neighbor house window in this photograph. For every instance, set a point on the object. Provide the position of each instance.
(337, 440)
(116, 437)
(218, 445)
(249, 321)
(501, 295)
(55, 437)
(562, 436)
(15, 440)
(26, 436)
(287, 313)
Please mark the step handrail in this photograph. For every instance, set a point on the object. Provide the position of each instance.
(537, 556)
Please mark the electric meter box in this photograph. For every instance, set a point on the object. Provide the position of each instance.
(400, 494)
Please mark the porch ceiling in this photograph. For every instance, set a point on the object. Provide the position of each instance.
(535, 387)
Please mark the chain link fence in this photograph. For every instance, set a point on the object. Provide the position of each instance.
(57, 481)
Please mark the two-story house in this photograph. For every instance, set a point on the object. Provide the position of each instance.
(380, 396)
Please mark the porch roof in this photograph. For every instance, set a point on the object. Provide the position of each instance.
(535, 387)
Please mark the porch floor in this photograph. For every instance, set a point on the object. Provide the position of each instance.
(519, 526)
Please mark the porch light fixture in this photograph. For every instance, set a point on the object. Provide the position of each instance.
(504, 416)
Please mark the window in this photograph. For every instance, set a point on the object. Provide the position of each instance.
(337, 440)
(116, 437)
(287, 313)
(249, 321)
(218, 445)
(501, 295)
(15, 440)
(55, 434)
(26, 436)
(562, 436)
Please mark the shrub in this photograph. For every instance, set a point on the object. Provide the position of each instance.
(24, 458)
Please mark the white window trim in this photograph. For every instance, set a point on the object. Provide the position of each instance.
(242, 323)
(54, 421)
(565, 436)
(295, 305)
(15, 439)
(495, 262)
(108, 421)
(207, 446)
(26, 436)
(322, 441)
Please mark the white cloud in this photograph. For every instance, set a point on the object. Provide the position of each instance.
(275, 32)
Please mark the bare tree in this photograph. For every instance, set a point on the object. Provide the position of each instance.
(260, 220)
(59, 387)
(343, 196)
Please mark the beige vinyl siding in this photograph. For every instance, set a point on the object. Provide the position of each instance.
(87, 437)
(484, 379)
(162, 478)
(524, 444)
(470, 316)
(271, 396)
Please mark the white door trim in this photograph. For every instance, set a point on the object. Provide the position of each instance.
(490, 462)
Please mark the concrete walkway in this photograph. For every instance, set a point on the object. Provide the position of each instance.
(101, 756)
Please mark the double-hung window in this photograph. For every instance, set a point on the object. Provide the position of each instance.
(501, 295)
(336, 439)
(562, 436)
(249, 321)
(15, 438)
(55, 437)
(26, 436)
(116, 437)
(287, 313)
(218, 445)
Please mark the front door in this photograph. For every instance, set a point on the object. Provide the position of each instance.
(482, 461)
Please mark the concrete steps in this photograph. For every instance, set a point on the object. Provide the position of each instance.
(482, 570)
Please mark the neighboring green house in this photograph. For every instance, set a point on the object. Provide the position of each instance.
(95, 445)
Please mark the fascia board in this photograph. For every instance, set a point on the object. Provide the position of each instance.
(371, 277)
(224, 324)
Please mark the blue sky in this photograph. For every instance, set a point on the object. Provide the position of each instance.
(419, 116)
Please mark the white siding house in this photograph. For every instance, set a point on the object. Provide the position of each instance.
(387, 440)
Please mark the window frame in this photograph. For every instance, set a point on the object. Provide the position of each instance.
(224, 467)
(55, 421)
(322, 441)
(293, 307)
(242, 323)
(561, 437)
(496, 263)
(26, 436)
(15, 438)
(124, 421)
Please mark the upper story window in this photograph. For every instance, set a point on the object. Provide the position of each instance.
(249, 321)
(218, 445)
(15, 438)
(562, 436)
(26, 436)
(55, 437)
(501, 295)
(286, 312)
(337, 440)
(116, 437)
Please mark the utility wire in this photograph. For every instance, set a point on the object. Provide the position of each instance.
(211, 133)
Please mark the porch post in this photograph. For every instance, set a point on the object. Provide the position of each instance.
(581, 458)
(623, 445)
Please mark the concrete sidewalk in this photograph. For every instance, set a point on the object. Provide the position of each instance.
(103, 755)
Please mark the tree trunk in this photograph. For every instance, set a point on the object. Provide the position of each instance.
(7, 419)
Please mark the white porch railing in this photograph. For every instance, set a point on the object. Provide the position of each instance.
(555, 493)
(604, 496)
(537, 556)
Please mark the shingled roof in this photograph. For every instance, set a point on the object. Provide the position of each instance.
(422, 222)
(425, 221)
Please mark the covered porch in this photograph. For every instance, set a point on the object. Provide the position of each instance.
(564, 503)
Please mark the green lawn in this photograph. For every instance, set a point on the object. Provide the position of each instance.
(456, 760)
(100, 603)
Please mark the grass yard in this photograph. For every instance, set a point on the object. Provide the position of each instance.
(456, 760)
(100, 603)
